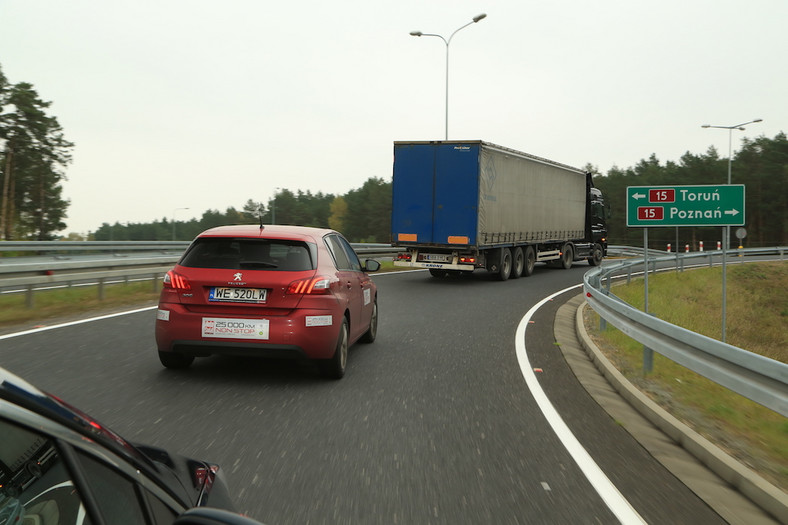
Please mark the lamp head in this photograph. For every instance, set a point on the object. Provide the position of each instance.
(416, 33)
(479, 17)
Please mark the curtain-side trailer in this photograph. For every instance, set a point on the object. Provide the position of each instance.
(462, 205)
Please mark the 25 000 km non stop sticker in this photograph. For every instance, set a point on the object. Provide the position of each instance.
(235, 328)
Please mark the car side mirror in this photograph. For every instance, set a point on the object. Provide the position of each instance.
(371, 265)
(210, 516)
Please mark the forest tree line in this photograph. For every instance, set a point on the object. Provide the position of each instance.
(34, 155)
(761, 165)
(361, 214)
(364, 214)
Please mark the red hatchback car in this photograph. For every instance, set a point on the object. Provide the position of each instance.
(273, 291)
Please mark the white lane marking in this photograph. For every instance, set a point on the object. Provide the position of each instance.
(607, 491)
(72, 323)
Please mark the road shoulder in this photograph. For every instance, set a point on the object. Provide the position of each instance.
(735, 492)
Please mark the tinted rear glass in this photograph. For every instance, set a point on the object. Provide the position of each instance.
(250, 254)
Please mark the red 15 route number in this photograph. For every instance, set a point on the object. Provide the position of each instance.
(650, 213)
(668, 195)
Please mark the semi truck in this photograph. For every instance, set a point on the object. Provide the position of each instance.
(458, 206)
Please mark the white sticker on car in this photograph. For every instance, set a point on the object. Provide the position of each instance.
(367, 296)
(163, 315)
(235, 328)
(319, 320)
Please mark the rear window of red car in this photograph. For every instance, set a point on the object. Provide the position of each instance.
(250, 254)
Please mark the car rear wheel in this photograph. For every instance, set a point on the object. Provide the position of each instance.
(334, 367)
(370, 335)
(175, 360)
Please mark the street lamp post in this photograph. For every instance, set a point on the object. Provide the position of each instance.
(273, 206)
(730, 129)
(173, 221)
(727, 229)
(447, 42)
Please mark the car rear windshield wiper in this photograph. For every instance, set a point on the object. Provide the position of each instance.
(257, 264)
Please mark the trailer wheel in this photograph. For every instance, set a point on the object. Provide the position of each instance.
(596, 255)
(518, 261)
(505, 266)
(530, 261)
(567, 256)
(438, 273)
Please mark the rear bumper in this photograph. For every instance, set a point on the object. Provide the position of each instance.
(308, 333)
(435, 265)
(208, 348)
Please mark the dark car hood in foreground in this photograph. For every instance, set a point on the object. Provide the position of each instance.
(199, 483)
(193, 482)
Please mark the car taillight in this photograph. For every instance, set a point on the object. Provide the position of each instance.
(310, 286)
(404, 256)
(176, 281)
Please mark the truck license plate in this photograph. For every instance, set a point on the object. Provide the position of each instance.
(435, 257)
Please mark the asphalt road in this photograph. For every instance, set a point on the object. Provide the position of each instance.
(433, 423)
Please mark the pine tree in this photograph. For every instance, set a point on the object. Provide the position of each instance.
(33, 156)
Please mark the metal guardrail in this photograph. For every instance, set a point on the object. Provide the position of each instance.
(77, 256)
(91, 246)
(47, 257)
(30, 266)
(37, 283)
(121, 247)
(107, 262)
(756, 377)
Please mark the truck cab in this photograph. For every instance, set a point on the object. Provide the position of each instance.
(597, 218)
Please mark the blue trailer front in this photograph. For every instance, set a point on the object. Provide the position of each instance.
(435, 198)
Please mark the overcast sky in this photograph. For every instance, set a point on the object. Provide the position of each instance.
(203, 105)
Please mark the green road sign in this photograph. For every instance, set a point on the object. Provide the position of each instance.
(652, 206)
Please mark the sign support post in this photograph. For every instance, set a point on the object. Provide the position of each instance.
(648, 353)
(725, 247)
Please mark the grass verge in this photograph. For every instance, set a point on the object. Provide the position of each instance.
(756, 320)
(73, 302)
